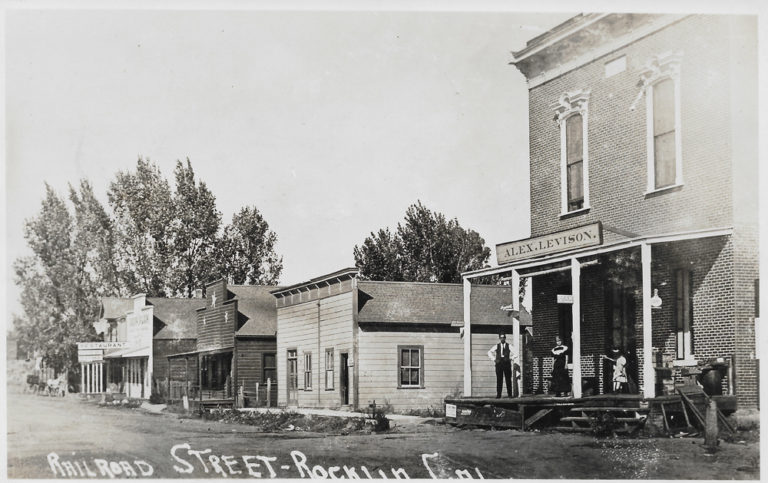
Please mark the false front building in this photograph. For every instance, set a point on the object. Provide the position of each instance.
(643, 188)
(235, 347)
(138, 334)
(345, 342)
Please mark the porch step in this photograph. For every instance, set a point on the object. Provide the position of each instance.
(609, 408)
(588, 419)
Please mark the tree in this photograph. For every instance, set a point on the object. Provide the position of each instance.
(248, 250)
(143, 210)
(194, 233)
(379, 257)
(60, 281)
(425, 248)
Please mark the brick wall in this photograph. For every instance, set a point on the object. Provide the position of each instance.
(718, 133)
(617, 138)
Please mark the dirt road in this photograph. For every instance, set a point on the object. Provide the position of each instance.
(68, 438)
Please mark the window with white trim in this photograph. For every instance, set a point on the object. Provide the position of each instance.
(571, 115)
(661, 81)
(307, 371)
(683, 314)
(329, 369)
(410, 366)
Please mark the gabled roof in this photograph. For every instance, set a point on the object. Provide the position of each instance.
(177, 316)
(257, 304)
(115, 307)
(431, 303)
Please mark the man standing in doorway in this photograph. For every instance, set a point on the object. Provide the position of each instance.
(501, 354)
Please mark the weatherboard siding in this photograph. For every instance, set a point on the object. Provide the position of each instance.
(250, 363)
(483, 369)
(298, 329)
(214, 330)
(379, 370)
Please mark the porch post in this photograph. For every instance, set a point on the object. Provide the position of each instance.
(649, 379)
(516, 333)
(467, 339)
(576, 316)
(82, 378)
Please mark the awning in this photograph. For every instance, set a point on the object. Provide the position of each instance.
(204, 352)
(129, 352)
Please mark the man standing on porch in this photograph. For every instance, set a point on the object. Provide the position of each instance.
(500, 354)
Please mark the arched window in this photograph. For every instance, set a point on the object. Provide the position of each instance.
(571, 115)
(661, 81)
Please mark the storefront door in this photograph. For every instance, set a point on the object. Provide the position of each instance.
(344, 378)
(621, 330)
(293, 378)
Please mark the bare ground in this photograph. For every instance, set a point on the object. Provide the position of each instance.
(67, 437)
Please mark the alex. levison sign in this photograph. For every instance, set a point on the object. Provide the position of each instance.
(581, 237)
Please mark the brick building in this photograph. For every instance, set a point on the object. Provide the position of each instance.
(644, 224)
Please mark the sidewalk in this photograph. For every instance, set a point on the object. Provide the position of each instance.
(400, 418)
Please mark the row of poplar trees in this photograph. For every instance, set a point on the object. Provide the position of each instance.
(153, 239)
(168, 242)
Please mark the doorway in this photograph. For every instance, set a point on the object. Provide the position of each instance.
(621, 330)
(293, 378)
(344, 378)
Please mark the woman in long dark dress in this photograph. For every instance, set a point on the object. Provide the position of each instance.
(561, 382)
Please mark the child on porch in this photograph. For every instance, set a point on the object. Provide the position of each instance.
(619, 371)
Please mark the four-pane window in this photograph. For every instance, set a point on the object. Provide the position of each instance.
(269, 367)
(411, 368)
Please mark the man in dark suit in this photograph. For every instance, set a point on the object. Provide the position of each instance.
(501, 354)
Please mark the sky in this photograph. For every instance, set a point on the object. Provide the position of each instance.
(330, 122)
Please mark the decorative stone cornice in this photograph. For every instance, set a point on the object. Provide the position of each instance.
(661, 66)
(571, 103)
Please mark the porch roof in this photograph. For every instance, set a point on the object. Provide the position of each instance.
(129, 352)
(606, 248)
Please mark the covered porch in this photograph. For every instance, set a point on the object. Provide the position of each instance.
(636, 294)
(204, 377)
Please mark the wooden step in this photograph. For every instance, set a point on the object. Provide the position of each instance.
(607, 408)
(587, 419)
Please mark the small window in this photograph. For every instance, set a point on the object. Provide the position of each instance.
(683, 314)
(307, 371)
(269, 368)
(329, 373)
(411, 366)
(575, 161)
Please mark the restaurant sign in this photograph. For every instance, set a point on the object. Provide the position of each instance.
(101, 345)
(581, 237)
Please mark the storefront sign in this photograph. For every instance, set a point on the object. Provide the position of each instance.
(581, 237)
(93, 358)
(101, 345)
(139, 328)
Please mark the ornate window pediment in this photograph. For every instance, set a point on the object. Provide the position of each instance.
(571, 103)
(661, 66)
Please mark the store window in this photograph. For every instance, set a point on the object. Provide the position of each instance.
(269, 367)
(411, 366)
